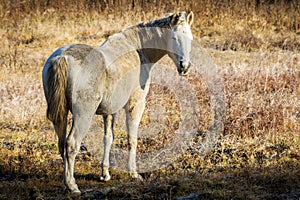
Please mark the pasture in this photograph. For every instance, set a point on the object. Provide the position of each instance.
(255, 48)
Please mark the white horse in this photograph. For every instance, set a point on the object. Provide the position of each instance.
(103, 80)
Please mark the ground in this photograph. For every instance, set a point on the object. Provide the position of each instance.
(257, 155)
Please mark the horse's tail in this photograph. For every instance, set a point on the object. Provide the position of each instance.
(57, 87)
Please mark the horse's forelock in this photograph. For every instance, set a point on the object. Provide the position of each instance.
(179, 18)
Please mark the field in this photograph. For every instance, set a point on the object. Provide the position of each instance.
(255, 47)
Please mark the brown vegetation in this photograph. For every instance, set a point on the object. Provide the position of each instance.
(255, 45)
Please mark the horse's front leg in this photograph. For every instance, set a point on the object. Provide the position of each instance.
(108, 139)
(134, 110)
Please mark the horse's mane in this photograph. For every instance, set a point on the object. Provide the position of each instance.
(162, 23)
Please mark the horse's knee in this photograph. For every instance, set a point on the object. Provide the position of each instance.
(108, 138)
(71, 146)
(132, 143)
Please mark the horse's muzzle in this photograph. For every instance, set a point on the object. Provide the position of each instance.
(184, 67)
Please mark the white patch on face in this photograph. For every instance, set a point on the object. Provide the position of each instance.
(184, 30)
(181, 40)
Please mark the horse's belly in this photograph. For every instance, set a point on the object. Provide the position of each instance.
(105, 109)
(112, 103)
(117, 91)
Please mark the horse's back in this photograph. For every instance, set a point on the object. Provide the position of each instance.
(79, 52)
(80, 56)
(85, 66)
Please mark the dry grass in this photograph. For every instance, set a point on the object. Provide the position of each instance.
(256, 49)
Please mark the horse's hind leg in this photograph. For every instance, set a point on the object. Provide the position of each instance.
(108, 139)
(79, 128)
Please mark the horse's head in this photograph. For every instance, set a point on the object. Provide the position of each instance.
(180, 42)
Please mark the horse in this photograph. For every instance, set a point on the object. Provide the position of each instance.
(85, 81)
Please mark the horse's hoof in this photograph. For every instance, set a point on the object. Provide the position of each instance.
(136, 176)
(105, 178)
(74, 193)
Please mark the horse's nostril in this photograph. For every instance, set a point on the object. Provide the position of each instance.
(181, 64)
(185, 65)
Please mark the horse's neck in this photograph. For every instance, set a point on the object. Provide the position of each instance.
(115, 47)
(151, 43)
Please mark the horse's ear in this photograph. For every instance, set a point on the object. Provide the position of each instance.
(190, 18)
(175, 18)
